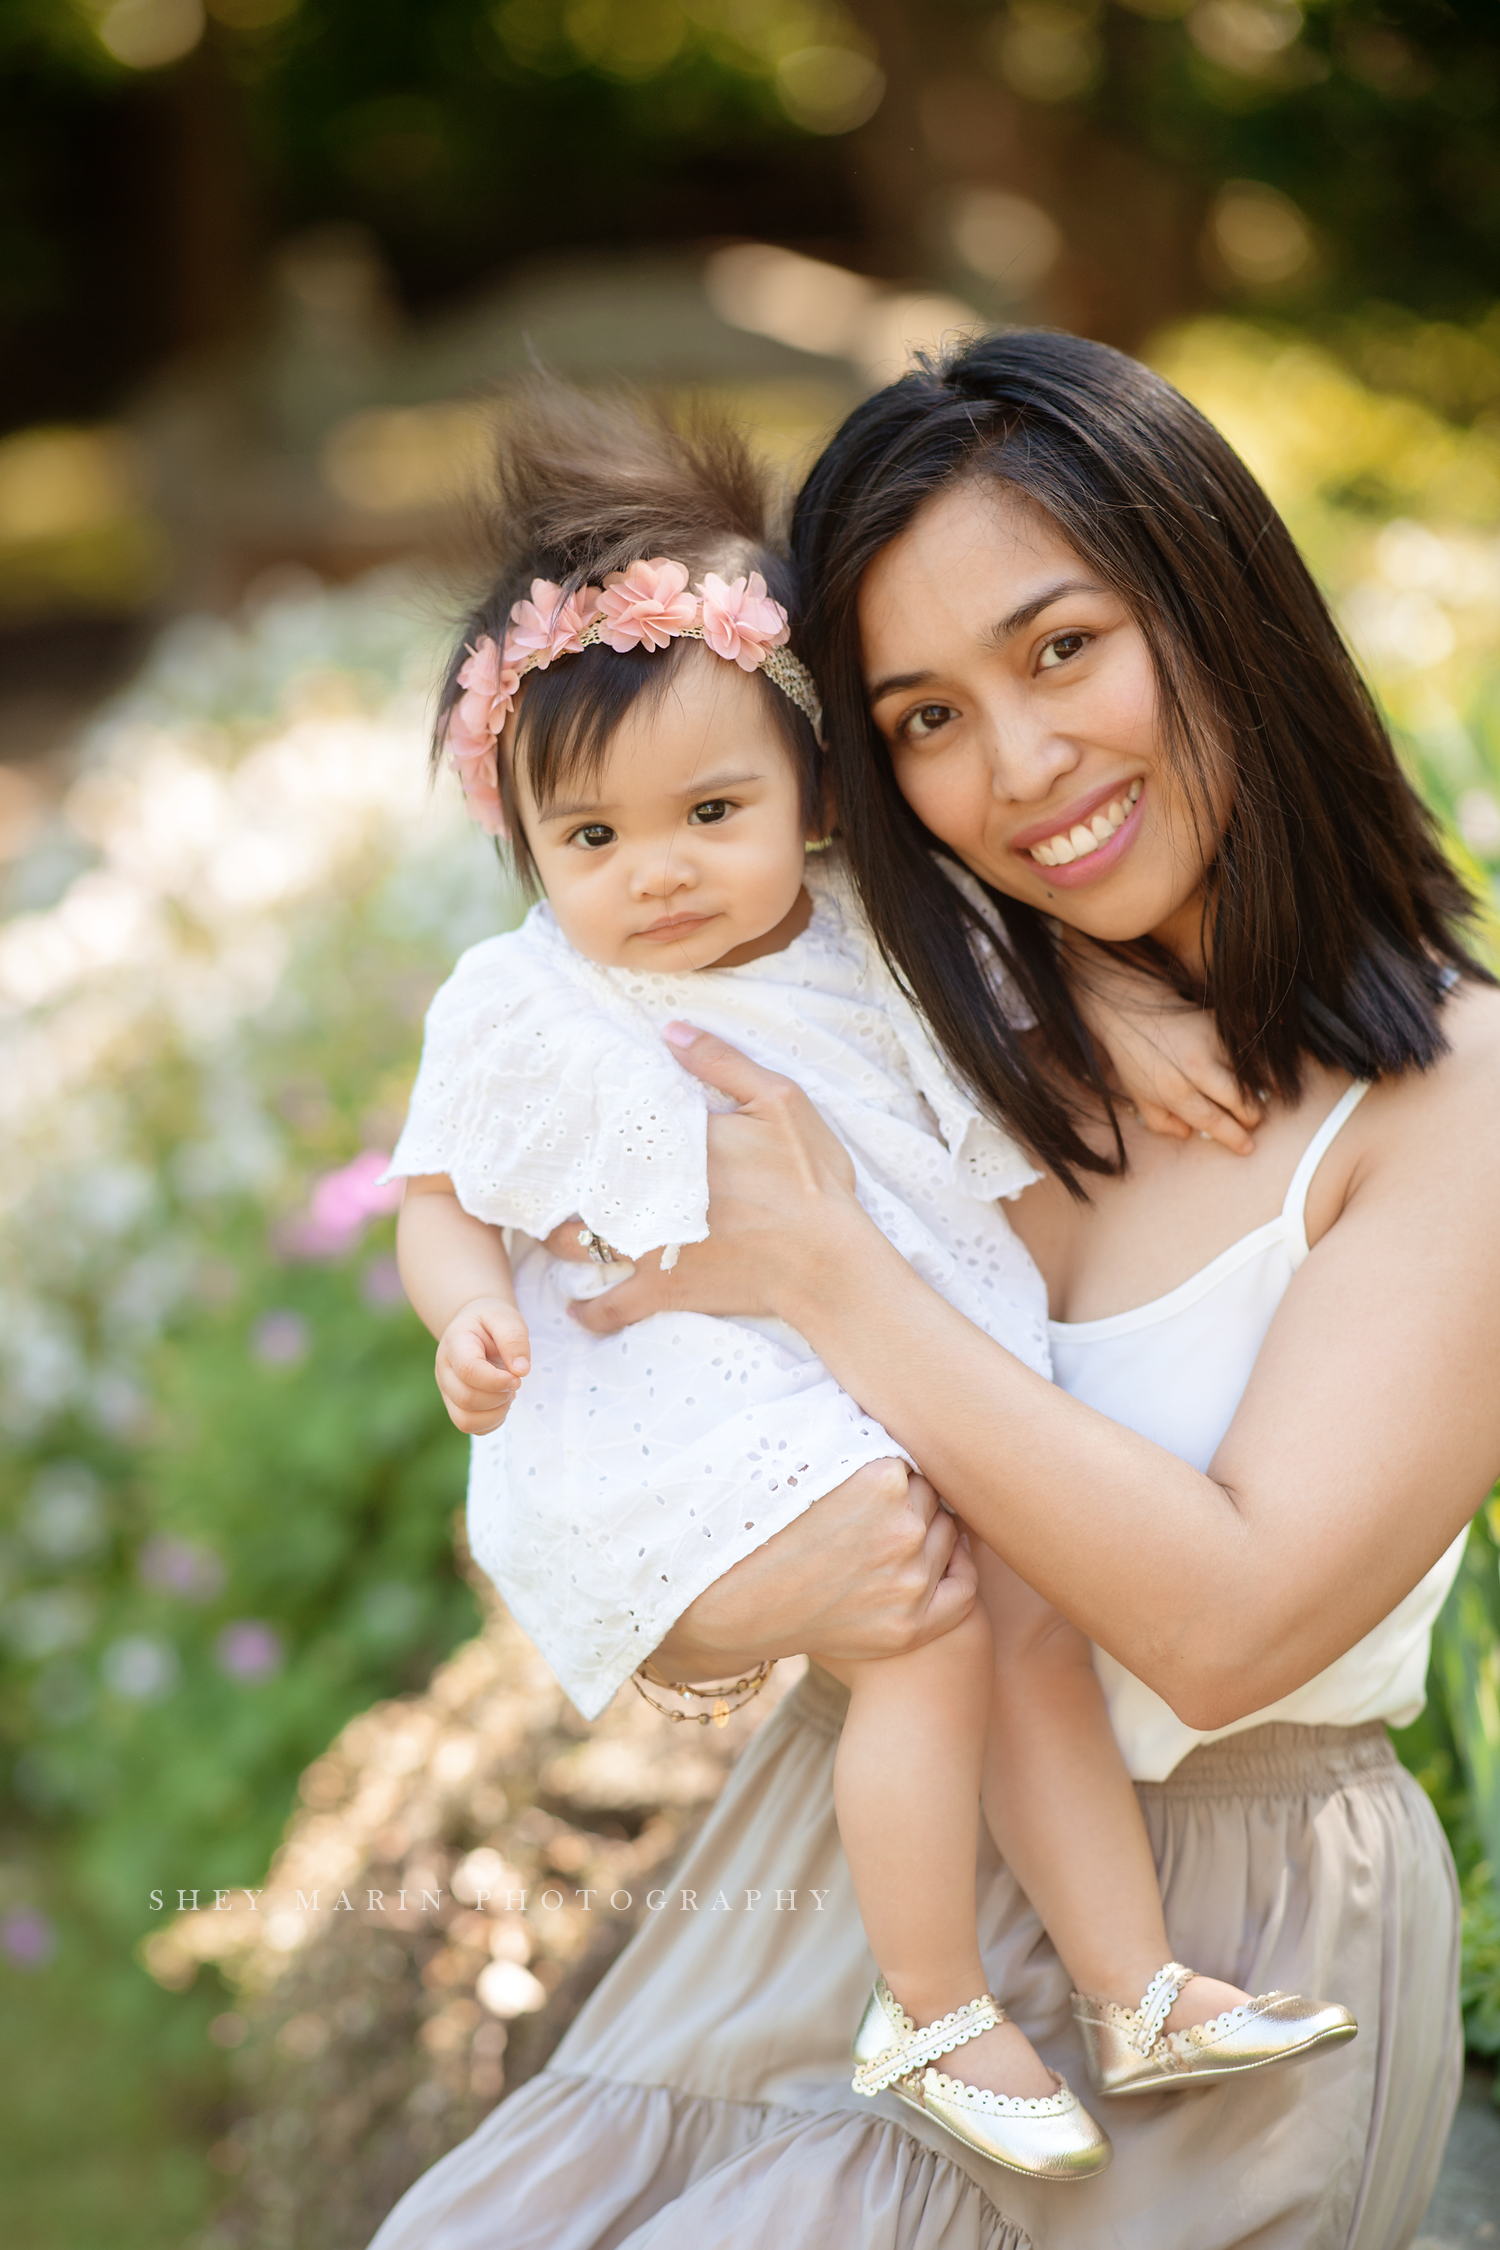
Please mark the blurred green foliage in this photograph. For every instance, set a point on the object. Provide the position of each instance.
(227, 1512)
(1454, 1750)
(140, 181)
(1377, 118)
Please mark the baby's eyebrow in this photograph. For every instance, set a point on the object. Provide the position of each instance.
(696, 790)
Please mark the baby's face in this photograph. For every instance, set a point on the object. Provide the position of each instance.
(687, 847)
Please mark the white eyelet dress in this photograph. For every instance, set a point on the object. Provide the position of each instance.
(701, 2100)
(634, 1470)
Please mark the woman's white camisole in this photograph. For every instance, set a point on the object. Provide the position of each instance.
(1176, 1370)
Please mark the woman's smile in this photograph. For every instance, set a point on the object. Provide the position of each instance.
(1087, 838)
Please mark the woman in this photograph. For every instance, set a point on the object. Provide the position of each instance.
(1041, 578)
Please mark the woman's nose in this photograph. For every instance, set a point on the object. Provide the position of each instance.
(1028, 756)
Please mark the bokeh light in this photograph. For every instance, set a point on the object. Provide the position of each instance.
(249, 1649)
(27, 1938)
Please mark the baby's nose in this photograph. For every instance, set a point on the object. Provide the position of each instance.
(658, 874)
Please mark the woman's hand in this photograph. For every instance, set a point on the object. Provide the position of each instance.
(782, 1188)
(874, 1568)
(1165, 1054)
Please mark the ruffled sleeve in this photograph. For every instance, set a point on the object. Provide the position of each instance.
(987, 1162)
(985, 944)
(543, 1093)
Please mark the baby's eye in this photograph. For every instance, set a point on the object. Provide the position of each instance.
(926, 721)
(711, 809)
(1062, 649)
(594, 837)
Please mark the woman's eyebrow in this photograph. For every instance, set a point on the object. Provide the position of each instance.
(896, 683)
(1031, 610)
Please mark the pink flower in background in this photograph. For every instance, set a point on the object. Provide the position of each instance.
(382, 1286)
(341, 1206)
(179, 1566)
(27, 1938)
(249, 1649)
(740, 620)
(646, 606)
(281, 1339)
(548, 626)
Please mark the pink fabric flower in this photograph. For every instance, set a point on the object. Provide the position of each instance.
(480, 783)
(646, 606)
(489, 682)
(547, 626)
(475, 759)
(740, 621)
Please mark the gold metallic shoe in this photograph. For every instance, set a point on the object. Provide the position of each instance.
(1052, 2138)
(1128, 2052)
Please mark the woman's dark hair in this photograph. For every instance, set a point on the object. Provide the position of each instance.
(584, 485)
(1334, 917)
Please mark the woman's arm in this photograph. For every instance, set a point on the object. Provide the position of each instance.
(1369, 1433)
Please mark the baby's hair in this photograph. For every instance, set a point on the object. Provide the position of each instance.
(587, 483)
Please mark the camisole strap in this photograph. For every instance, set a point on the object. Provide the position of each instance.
(1294, 1210)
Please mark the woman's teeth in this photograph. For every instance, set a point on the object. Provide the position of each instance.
(1076, 843)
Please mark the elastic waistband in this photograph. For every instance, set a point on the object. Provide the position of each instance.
(1282, 1760)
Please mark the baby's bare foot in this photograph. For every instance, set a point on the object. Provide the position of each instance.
(1003, 2061)
(1203, 1999)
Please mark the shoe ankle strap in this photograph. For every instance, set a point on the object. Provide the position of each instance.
(915, 2049)
(1159, 1999)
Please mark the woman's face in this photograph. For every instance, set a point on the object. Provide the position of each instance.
(1019, 700)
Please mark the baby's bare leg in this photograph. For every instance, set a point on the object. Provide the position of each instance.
(906, 1786)
(1062, 1809)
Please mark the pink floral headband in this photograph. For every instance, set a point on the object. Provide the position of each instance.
(642, 607)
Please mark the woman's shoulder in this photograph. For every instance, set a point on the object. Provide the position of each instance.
(1466, 1074)
(1471, 1020)
(1424, 1132)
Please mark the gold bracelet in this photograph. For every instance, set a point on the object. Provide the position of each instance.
(747, 1690)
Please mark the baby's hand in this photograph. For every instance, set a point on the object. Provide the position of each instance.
(481, 1356)
(1164, 1053)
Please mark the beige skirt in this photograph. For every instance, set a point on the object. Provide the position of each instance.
(702, 2098)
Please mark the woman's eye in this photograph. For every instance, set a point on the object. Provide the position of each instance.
(1061, 649)
(712, 809)
(924, 723)
(594, 837)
